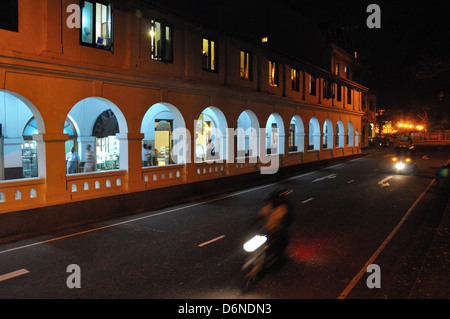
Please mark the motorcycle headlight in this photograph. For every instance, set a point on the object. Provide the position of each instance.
(254, 243)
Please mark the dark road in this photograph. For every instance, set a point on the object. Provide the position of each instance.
(347, 216)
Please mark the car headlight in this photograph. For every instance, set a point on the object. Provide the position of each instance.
(400, 166)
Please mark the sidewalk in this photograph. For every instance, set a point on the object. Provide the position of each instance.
(433, 281)
(429, 276)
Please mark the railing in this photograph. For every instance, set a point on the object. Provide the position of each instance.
(242, 165)
(97, 184)
(430, 138)
(207, 170)
(161, 176)
(21, 193)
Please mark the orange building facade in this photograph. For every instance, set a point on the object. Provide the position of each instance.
(78, 73)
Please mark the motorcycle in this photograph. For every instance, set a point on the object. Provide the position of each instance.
(403, 160)
(266, 249)
(260, 258)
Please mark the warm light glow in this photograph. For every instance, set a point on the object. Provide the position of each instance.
(400, 124)
(264, 39)
(394, 159)
(408, 160)
(254, 243)
(419, 127)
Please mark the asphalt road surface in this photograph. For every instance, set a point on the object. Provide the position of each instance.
(347, 217)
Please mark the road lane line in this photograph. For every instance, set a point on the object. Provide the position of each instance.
(332, 176)
(371, 260)
(137, 219)
(350, 181)
(13, 274)
(384, 182)
(153, 214)
(308, 200)
(211, 241)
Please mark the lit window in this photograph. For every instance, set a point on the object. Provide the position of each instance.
(209, 55)
(291, 140)
(161, 37)
(295, 78)
(96, 29)
(246, 65)
(273, 73)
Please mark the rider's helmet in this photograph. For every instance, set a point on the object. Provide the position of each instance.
(281, 195)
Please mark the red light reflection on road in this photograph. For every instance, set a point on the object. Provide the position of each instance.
(308, 249)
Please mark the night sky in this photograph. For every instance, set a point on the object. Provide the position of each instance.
(407, 60)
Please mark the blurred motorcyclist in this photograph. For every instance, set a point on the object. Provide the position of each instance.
(276, 217)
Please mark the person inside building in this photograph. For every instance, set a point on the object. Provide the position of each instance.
(89, 165)
(151, 156)
(71, 159)
(144, 155)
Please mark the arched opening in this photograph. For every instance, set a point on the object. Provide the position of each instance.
(247, 134)
(275, 134)
(210, 135)
(101, 127)
(296, 135)
(327, 134)
(350, 134)
(340, 134)
(20, 123)
(314, 134)
(158, 127)
(357, 138)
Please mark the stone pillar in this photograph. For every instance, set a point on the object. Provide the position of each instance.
(52, 166)
(130, 159)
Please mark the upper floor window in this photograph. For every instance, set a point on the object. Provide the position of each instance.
(295, 79)
(209, 55)
(312, 85)
(96, 29)
(328, 89)
(162, 43)
(246, 65)
(349, 95)
(9, 16)
(273, 73)
(337, 69)
(338, 92)
(347, 72)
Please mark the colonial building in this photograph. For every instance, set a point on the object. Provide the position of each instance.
(117, 76)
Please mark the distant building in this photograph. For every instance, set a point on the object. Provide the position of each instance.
(134, 75)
